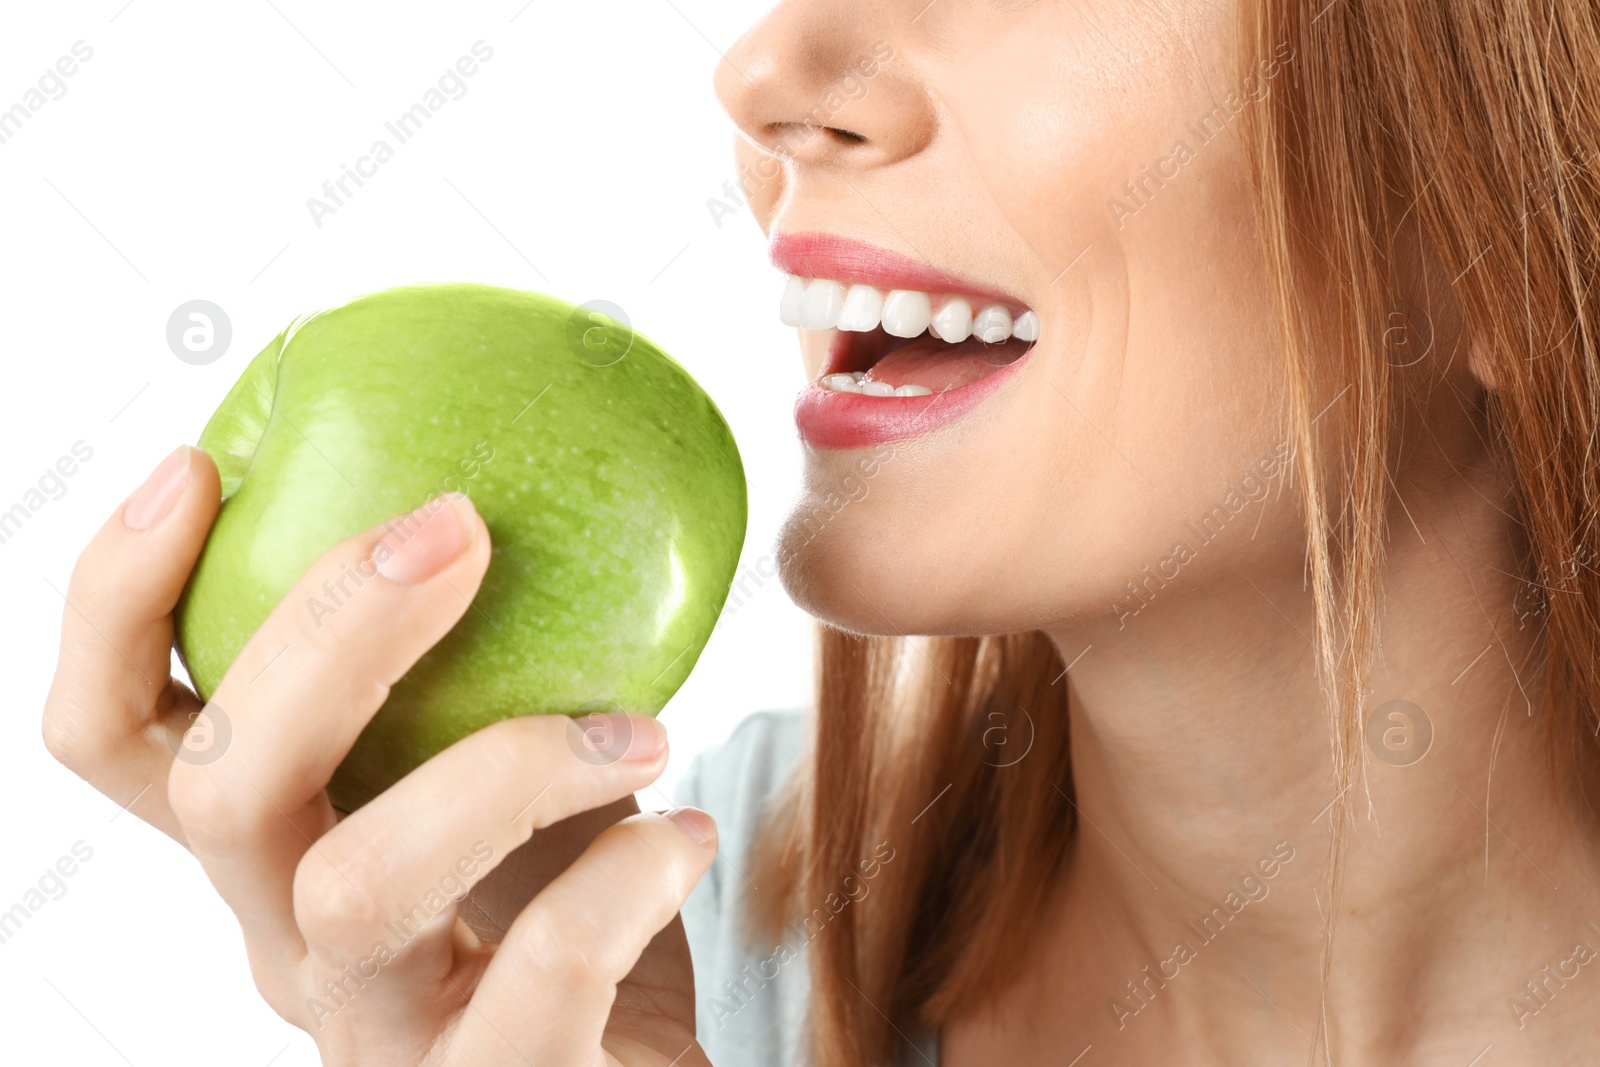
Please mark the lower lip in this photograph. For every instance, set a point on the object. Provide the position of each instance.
(829, 419)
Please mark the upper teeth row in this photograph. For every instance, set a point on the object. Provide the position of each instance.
(824, 304)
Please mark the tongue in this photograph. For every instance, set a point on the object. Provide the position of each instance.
(939, 366)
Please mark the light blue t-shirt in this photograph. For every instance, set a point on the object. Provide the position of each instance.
(750, 1000)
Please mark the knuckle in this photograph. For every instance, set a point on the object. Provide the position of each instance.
(563, 950)
(67, 744)
(332, 898)
(654, 850)
(89, 722)
(314, 621)
(279, 990)
(291, 646)
(321, 643)
(334, 595)
(316, 641)
(92, 584)
(512, 748)
(671, 853)
(215, 815)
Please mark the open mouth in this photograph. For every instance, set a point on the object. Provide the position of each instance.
(907, 342)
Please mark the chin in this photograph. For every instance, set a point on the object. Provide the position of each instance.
(871, 570)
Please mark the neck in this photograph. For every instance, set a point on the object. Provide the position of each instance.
(1207, 800)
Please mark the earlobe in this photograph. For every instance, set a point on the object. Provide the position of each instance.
(1480, 364)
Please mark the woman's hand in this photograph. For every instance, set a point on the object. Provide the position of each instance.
(352, 925)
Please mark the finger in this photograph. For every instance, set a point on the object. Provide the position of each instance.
(580, 937)
(382, 995)
(112, 681)
(391, 868)
(496, 901)
(252, 813)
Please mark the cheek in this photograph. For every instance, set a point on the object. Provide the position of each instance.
(1110, 139)
(1052, 195)
(1057, 135)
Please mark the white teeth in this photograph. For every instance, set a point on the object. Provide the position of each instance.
(953, 323)
(992, 325)
(852, 383)
(863, 309)
(906, 313)
(794, 291)
(824, 304)
(819, 308)
(1026, 328)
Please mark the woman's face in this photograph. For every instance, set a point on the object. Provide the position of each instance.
(1070, 158)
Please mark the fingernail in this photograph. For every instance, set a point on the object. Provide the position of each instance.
(151, 502)
(695, 823)
(423, 543)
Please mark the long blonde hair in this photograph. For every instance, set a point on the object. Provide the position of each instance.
(1477, 122)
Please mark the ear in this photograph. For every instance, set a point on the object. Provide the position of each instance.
(1445, 312)
(1480, 363)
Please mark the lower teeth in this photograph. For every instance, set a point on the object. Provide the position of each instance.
(852, 383)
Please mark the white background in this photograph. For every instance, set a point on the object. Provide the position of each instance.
(177, 166)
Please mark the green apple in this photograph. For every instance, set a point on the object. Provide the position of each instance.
(610, 483)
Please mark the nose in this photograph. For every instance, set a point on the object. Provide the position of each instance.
(816, 82)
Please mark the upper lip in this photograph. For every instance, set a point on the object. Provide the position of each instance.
(844, 259)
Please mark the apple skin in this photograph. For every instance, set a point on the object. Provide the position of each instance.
(616, 503)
